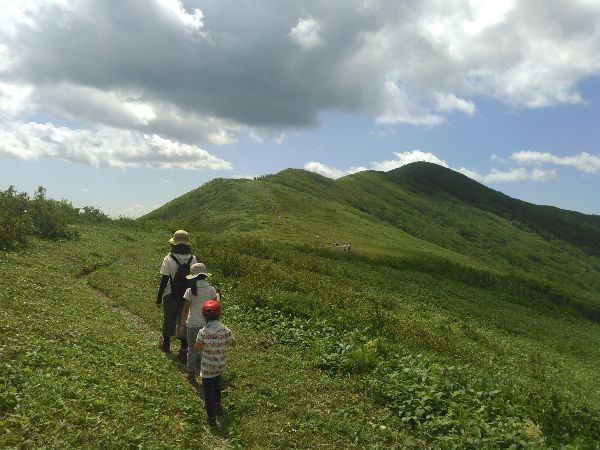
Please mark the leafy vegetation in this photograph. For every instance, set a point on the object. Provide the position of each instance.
(422, 336)
(22, 217)
(74, 373)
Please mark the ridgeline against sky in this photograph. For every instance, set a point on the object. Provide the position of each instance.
(128, 104)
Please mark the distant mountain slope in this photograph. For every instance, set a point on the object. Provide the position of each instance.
(219, 205)
(433, 180)
(417, 211)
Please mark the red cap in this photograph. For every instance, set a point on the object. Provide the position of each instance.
(211, 310)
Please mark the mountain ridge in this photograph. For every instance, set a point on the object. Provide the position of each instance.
(417, 211)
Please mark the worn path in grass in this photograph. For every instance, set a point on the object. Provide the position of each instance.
(78, 372)
(140, 325)
(150, 338)
(273, 394)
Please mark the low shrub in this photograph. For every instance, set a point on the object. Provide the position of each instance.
(446, 406)
(15, 222)
(352, 353)
(22, 217)
(50, 218)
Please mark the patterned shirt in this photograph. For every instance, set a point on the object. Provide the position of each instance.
(214, 338)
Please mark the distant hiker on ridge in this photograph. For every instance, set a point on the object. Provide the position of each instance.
(173, 284)
(192, 319)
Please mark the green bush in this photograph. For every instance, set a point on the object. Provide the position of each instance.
(445, 405)
(51, 218)
(22, 216)
(15, 222)
(351, 354)
(89, 214)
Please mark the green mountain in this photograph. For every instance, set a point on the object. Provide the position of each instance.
(417, 212)
(441, 266)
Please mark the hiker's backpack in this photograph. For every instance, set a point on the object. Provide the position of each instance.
(179, 282)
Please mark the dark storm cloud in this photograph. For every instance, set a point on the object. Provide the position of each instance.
(208, 71)
(250, 72)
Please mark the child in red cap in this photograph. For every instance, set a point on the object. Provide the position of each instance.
(212, 341)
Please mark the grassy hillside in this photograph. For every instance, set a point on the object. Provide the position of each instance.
(80, 368)
(580, 230)
(337, 350)
(422, 336)
(419, 212)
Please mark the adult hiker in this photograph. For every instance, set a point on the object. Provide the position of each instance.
(192, 319)
(173, 284)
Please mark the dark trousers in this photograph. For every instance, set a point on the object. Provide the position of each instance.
(172, 310)
(212, 395)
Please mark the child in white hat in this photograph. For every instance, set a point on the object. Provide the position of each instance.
(192, 319)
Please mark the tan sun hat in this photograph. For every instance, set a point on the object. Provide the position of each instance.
(180, 237)
(197, 269)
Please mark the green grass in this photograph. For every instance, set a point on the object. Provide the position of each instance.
(419, 337)
(418, 211)
(74, 372)
(538, 358)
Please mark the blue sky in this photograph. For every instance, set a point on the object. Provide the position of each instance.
(125, 106)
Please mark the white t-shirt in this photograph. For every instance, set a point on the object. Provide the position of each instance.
(195, 319)
(169, 267)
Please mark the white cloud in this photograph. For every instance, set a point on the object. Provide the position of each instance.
(209, 75)
(13, 99)
(476, 42)
(403, 158)
(450, 103)
(307, 33)
(135, 210)
(104, 147)
(583, 162)
(323, 169)
(408, 157)
(400, 108)
(82, 102)
(539, 175)
(175, 11)
(473, 174)
(510, 176)
(485, 14)
(329, 171)
(256, 137)
(128, 110)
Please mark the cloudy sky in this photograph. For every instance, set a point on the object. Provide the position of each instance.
(125, 105)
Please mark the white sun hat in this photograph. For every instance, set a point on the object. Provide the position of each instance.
(197, 269)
